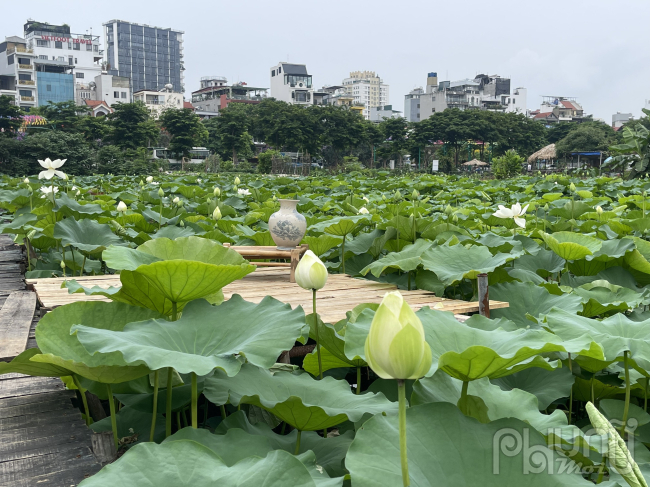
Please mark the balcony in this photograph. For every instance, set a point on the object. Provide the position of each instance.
(30, 82)
(21, 49)
(26, 66)
(26, 98)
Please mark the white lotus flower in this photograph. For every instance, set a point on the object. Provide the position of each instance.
(46, 190)
(311, 273)
(26, 181)
(244, 192)
(149, 179)
(74, 188)
(198, 180)
(51, 168)
(121, 207)
(366, 199)
(216, 214)
(516, 212)
(363, 211)
(237, 181)
(176, 200)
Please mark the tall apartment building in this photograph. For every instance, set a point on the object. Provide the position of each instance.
(151, 56)
(17, 75)
(291, 83)
(367, 88)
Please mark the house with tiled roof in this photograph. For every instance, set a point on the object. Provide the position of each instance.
(98, 108)
(563, 109)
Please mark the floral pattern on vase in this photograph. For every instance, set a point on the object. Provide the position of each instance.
(287, 226)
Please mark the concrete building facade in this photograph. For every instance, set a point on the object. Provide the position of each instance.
(368, 89)
(158, 101)
(216, 94)
(412, 105)
(17, 75)
(292, 83)
(377, 114)
(151, 56)
(619, 119)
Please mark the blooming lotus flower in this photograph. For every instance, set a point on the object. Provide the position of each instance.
(74, 188)
(244, 192)
(198, 180)
(149, 179)
(121, 207)
(617, 452)
(516, 212)
(49, 190)
(77, 193)
(311, 273)
(237, 181)
(366, 199)
(216, 214)
(51, 168)
(363, 211)
(395, 347)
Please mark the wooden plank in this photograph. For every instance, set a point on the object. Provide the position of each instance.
(39, 470)
(15, 321)
(29, 385)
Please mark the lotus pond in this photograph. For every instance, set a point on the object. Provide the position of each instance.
(191, 381)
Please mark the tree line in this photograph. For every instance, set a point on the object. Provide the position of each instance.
(120, 142)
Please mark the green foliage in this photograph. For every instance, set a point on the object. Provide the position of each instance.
(508, 165)
(10, 114)
(185, 128)
(132, 126)
(634, 152)
(265, 161)
(588, 136)
(64, 115)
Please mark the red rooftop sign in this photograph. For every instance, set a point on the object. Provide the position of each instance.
(66, 39)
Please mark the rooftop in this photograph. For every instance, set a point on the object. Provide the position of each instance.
(143, 25)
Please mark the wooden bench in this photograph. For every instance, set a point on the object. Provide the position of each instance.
(15, 321)
(262, 252)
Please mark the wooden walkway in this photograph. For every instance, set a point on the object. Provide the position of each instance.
(341, 294)
(43, 439)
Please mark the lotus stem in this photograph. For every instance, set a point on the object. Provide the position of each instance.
(408, 273)
(111, 405)
(223, 412)
(297, 443)
(320, 364)
(155, 405)
(626, 408)
(83, 266)
(601, 470)
(178, 420)
(358, 380)
(160, 219)
(195, 401)
(593, 401)
(168, 405)
(343, 254)
(82, 391)
(645, 400)
(571, 393)
(401, 392)
(463, 393)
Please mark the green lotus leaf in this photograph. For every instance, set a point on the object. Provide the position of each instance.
(322, 244)
(60, 348)
(408, 259)
(86, 235)
(639, 259)
(615, 334)
(172, 232)
(449, 449)
(72, 208)
(600, 297)
(457, 262)
(189, 464)
(205, 337)
(544, 263)
(17, 225)
(22, 364)
(572, 246)
(468, 353)
(527, 299)
(125, 258)
(192, 248)
(612, 250)
(497, 243)
(133, 423)
(299, 400)
(330, 452)
(144, 401)
(571, 210)
(332, 349)
(546, 385)
(340, 226)
(498, 403)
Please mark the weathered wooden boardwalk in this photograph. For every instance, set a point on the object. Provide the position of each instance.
(341, 294)
(43, 439)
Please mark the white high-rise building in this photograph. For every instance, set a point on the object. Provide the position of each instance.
(367, 88)
(291, 83)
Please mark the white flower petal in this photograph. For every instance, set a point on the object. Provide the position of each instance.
(49, 174)
(521, 222)
(61, 174)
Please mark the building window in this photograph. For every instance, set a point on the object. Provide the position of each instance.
(116, 94)
(76, 46)
(272, 72)
(25, 92)
(70, 61)
(75, 61)
(42, 56)
(124, 94)
(58, 44)
(89, 47)
(79, 75)
(513, 101)
(96, 48)
(41, 43)
(279, 70)
(49, 87)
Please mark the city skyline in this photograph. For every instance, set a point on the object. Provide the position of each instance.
(575, 50)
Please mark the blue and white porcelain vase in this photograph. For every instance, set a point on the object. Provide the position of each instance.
(287, 226)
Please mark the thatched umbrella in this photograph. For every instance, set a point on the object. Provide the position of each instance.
(547, 153)
(475, 162)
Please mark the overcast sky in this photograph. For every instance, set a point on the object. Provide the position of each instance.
(595, 50)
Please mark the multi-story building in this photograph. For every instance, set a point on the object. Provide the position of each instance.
(105, 88)
(483, 92)
(158, 101)
(562, 108)
(54, 45)
(412, 105)
(292, 83)
(151, 56)
(337, 96)
(216, 94)
(367, 88)
(619, 119)
(17, 76)
(377, 114)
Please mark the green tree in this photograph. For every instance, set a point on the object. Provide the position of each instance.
(265, 161)
(228, 133)
(64, 115)
(508, 165)
(10, 114)
(131, 126)
(185, 129)
(94, 129)
(589, 136)
(558, 131)
(634, 152)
